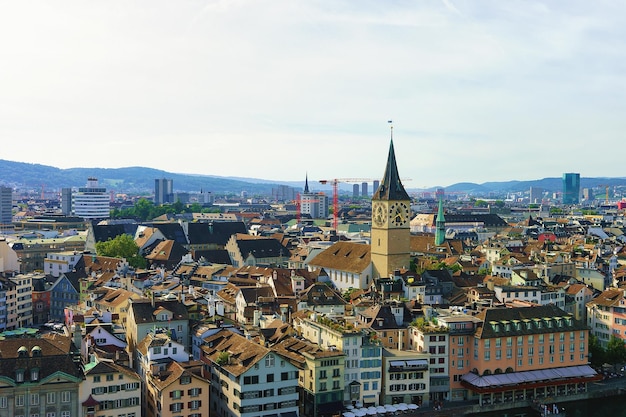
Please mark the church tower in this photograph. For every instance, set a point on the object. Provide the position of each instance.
(391, 214)
(440, 224)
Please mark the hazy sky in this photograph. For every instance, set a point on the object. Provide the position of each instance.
(477, 90)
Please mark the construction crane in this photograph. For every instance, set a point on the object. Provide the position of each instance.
(335, 183)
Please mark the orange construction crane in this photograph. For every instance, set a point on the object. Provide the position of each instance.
(335, 183)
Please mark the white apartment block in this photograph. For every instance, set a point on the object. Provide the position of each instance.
(59, 263)
(22, 310)
(92, 201)
(248, 379)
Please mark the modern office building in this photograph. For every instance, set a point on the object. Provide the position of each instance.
(163, 191)
(536, 195)
(6, 205)
(92, 201)
(355, 190)
(364, 191)
(571, 188)
(66, 201)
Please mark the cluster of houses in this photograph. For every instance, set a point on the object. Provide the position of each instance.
(225, 322)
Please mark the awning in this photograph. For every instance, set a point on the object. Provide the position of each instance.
(90, 402)
(518, 379)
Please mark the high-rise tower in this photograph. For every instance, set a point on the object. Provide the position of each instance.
(163, 191)
(391, 214)
(571, 188)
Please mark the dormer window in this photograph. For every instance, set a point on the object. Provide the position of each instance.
(19, 375)
(22, 352)
(34, 374)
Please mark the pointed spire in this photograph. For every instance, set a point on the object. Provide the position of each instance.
(391, 187)
(306, 183)
(440, 224)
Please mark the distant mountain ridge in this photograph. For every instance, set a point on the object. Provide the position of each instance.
(141, 180)
(126, 180)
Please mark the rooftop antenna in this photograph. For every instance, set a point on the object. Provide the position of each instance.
(391, 127)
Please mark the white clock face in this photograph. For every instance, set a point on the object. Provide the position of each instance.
(378, 214)
(398, 214)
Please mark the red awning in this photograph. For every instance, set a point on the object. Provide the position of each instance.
(90, 402)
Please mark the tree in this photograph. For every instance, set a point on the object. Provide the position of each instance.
(615, 350)
(596, 352)
(122, 246)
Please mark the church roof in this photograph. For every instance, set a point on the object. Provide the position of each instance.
(391, 187)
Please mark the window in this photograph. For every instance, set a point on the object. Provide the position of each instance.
(3, 402)
(19, 400)
(176, 407)
(65, 397)
(251, 379)
(96, 378)
(50, 398)
(195, 392)
(270, 377)
(109, 377)
(34, 399)
(269, 361)
(176, 394)
(195, 404)
(65, 414)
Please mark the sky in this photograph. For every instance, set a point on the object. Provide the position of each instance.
(477, 91)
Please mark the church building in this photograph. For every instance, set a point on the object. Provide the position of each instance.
(391, 215)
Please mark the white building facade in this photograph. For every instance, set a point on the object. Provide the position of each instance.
(92, 201)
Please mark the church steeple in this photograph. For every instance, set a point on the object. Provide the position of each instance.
(306, 183)
(440, 224)
(391, 187)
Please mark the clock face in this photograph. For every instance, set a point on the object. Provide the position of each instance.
(378, 214)
(399, 214)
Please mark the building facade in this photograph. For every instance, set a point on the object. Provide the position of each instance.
(91, 201)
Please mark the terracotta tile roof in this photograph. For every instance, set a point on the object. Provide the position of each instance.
(175, 370)
(608, 298)
(56, 356)
(145, 236)
(100, 263)
(228, 293)
(243, 353)
(344, 256)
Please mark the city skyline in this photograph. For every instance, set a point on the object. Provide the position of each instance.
(273, 90)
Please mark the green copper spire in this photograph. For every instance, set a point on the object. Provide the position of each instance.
(391, 187)
(440, 223)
